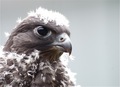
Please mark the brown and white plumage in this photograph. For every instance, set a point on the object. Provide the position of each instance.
(31, 56)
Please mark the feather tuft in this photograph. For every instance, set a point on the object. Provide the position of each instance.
(49, 16)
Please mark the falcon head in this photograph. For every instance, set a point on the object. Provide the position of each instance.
(43, 30)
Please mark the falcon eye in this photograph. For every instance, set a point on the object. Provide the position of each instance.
(42, 31)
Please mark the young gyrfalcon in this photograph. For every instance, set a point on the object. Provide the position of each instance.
(31, 56)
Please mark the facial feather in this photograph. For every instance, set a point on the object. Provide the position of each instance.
(23, 39)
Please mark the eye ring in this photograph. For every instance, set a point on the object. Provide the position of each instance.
(42, 32)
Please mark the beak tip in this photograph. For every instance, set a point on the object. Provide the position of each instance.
(70, 52)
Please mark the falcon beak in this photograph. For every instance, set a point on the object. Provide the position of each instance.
(63, 43)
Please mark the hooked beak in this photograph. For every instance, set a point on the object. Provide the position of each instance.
(63, 43)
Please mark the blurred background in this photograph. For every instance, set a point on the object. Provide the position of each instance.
(94, 26)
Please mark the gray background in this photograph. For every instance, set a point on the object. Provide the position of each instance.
(94, 26)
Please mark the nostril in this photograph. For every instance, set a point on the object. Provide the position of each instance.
(62, 39)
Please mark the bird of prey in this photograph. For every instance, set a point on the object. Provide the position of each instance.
(31, 55)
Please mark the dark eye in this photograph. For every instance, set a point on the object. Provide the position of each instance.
(42, 31)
